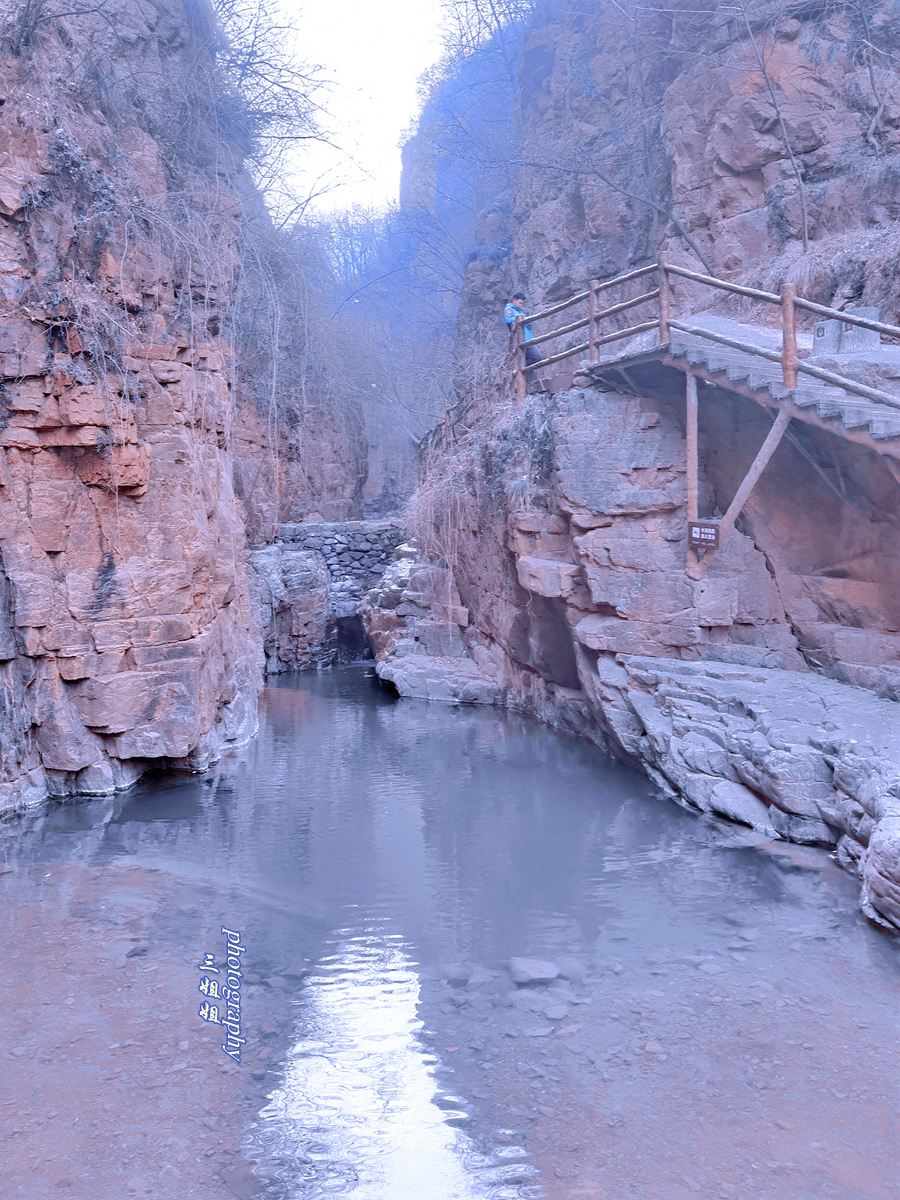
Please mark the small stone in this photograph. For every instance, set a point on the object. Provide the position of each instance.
(456, 974)
(557, 1012)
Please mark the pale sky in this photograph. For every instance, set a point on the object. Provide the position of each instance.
(375, 51)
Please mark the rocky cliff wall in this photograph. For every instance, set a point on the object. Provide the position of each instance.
(132, 462)
(553, 579)
(718, 139)
(759, 146)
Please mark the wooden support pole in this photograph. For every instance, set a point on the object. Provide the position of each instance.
(593, 303)
(693, 468)
(665, 298)
(691, 422)
(742, 495)
(788, 336)
(519, 352)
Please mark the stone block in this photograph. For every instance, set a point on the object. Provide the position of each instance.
(23, 347)
(85, 406)
(123, 634)
(79, 666)
(866, 647)
(547, 577)
(640, 596)
(115, 703)
(116, 468)
(715, 601)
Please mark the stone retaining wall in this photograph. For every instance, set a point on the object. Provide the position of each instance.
(356, 554)
(306, 588)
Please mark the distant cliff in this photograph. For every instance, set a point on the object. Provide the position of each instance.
(722, 135)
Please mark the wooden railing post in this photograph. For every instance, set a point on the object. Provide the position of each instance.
(593, 304)
(519, 352)
(788, 336)
(665, 297)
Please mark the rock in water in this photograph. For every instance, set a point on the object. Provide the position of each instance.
(532, 970)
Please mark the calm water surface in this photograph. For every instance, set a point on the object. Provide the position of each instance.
(728, 1026)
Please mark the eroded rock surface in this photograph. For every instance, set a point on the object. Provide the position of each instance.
(568, 597)
(134, 465)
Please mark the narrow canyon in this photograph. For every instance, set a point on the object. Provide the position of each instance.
(531, 710)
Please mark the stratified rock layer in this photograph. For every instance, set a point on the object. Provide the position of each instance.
(130, 469)
(567, 596)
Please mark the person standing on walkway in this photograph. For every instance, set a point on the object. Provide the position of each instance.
(516, 308)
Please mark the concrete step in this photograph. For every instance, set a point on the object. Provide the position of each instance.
(764, 376)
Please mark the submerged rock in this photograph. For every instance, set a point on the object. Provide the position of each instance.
(532, 970)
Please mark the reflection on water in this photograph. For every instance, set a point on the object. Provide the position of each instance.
(356, 1111)
(361, 845)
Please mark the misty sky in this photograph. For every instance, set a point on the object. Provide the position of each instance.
(375, 51)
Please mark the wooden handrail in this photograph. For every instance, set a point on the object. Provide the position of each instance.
(723, 284)
(601, 287)
(788, 301)
(554, 333)
(850, 318)
(607, 312)
(849, 385)
(610, 337)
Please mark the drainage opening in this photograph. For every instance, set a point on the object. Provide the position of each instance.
(353, 644)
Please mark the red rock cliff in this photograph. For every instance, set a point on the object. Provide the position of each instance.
(133, 458)
(554, 535)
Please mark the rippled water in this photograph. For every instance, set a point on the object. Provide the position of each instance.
(383, 860)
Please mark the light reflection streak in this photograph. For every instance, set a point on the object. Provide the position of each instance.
(357, 1111)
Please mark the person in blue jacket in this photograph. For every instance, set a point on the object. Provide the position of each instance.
(516, 308)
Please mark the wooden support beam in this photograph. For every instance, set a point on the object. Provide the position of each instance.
(741, 496)
(593, 305)
(693, 462)
(693, 487)
(665, 298)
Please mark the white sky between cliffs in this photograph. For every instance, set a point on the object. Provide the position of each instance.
(374, 52)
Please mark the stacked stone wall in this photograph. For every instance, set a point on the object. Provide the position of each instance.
(356, 554)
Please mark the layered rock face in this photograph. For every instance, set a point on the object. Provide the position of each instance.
(564, 592)
(128, 636)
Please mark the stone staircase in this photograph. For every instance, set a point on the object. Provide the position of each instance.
(828, 401)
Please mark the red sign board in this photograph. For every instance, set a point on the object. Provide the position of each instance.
(703, 535)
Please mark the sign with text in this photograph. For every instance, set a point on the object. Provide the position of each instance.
(703, 535)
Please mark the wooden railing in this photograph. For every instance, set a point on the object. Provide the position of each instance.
(788, 301)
